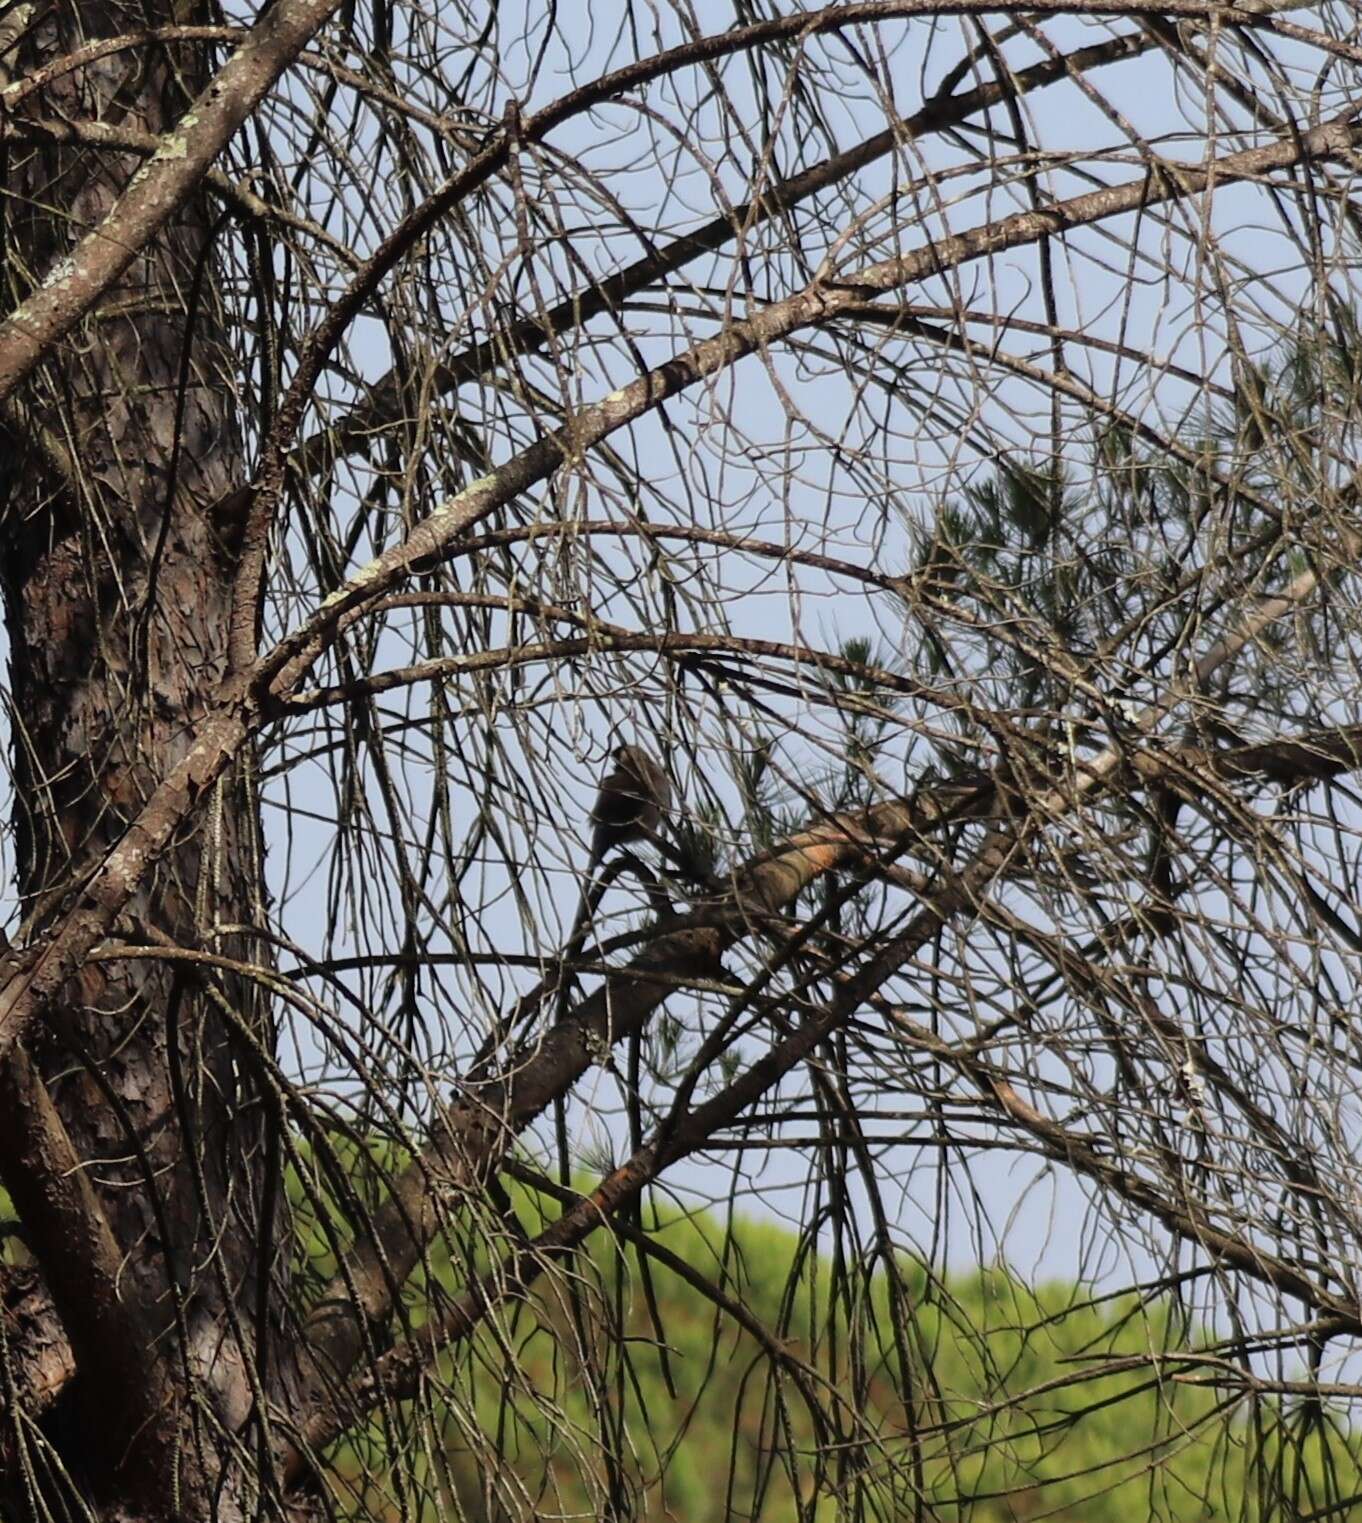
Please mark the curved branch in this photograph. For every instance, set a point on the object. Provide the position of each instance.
(158, 190)
(602, 643)
(356, 430)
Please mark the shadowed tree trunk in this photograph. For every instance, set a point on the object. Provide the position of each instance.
(116, 584)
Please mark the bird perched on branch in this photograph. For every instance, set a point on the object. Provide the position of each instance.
(631, 804)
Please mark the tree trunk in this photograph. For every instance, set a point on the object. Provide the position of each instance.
(117, 582)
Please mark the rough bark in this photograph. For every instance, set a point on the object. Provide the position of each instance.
(115, 583)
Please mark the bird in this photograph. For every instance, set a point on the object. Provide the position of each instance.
(629, 807)
(631, 804)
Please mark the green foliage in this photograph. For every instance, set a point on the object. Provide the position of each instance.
(1035, 569)
(977, 1401)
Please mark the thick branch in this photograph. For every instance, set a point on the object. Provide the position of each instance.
(55, 1200)
(40, 1360)
(477, 1127)
(158, 190)
(335, 1328)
